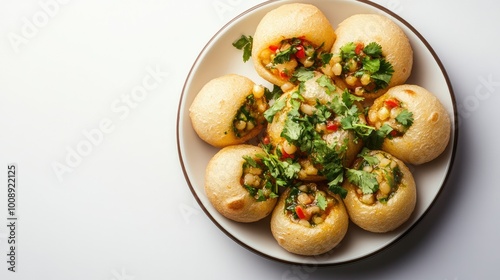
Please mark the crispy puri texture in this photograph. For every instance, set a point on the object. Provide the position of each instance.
(290, 21)
(429, 134)
(383, 217)
(214, 109)
(367, 28)
(225, 191)
(302, 240)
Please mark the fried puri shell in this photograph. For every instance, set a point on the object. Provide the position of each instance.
(303, 240)
(225, 191)
(430, 132)
(383, 217)
(296, 20)
(396, 48)
(214, 109)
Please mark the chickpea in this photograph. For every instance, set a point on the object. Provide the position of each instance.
(368, 199)
(365, 79)
(240, 125)
(258, 91)
(337, 69)
(383, 113)
(351, 80)
(304, 198)
(289, 148)
(307, 109)
(384, 188)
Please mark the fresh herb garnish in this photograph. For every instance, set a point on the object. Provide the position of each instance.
(244, 43)
(275, 108)
(321, 201)
(279, 173)
(405, 118)
(266, 188)
(366, 181)
(367, 60)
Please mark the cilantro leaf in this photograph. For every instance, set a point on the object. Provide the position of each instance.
(302, 74)
(273, 94)
(371, 160)
(283, 56)
(321, 201)
(275, 108)
(292, 131)
(383, 76)
(244, 43)
(375, 139)
(337, 189)
(279, 172)
(348, 50)
(249, 161)
(405, 118)
(366, 181)
(371, 65)
(327, 83)
(373, 49)
(326, 57)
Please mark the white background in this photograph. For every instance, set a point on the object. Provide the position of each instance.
(123, 210)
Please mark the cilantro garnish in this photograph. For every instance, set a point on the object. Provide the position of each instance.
(367, 60)
(384, 74)
(376, 138)
(326, 82)
(366, 181)
(405, 118)
(321, 201)
(283, 56)
(373, 50)
(272, 95)
(302, 74)
(347, 51)
(267, 189)
(244, 43)
(280, 173)
(275, 108)
(369, 159)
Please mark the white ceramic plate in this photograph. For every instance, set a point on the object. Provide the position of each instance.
(219, 57)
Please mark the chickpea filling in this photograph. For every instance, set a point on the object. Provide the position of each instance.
(308, 205)
(377, 176)
(289, 54)
(250, 114)
(363, 68)
(256, 179)
(392, 114)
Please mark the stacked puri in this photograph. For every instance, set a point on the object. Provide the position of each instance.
(334, 144)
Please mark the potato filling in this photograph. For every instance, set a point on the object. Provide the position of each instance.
(250, 114)
(377, 176)
(392, 114)
(363, 68)
(282, 59)
(255, 178)
(308, 205)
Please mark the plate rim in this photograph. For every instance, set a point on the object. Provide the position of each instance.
(453, 137)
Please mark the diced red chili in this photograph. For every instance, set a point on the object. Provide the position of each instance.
(391, 103)
(359, 48)
(300, 212)
(283, 75)
(266, 140)
(285, 155)
(273, 48)
(301, 53)
(332, 126)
